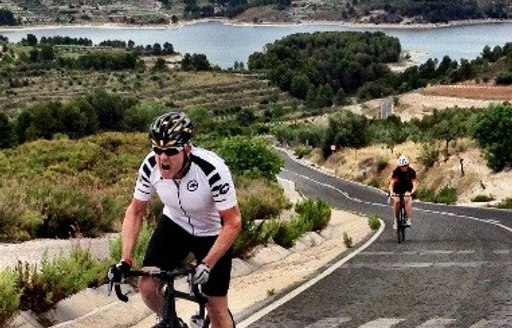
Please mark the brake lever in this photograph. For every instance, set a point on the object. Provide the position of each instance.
(119, 293)
(117, 287)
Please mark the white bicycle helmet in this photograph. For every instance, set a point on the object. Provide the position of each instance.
(402, 160)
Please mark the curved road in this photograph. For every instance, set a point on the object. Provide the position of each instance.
(454, 270)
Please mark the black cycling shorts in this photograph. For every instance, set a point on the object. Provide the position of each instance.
(170, 245)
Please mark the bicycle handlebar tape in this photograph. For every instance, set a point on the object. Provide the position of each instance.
(119, 293)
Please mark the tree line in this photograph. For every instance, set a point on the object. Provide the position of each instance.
(151, 50)
(326, 68)
(430, 11)
(349, 130)
(193, 9)
(43, 54)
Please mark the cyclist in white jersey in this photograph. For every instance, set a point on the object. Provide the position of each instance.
(200, 215)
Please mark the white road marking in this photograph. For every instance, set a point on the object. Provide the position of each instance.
(345, 194)
(269, 308)
(382, 323)
(437, 323)
(329, 322)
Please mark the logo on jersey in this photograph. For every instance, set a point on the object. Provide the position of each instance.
(192, 185)
(224, 189)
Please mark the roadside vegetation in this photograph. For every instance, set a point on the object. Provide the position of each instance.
(366, 149)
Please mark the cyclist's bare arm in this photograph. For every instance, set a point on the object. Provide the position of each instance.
(232, 224)
(391, 184)
(415, 184)
(131, 226)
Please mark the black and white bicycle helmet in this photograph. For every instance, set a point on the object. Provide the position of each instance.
(171, 130)
(402, 160)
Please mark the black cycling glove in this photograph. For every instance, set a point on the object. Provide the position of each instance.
(117, 272)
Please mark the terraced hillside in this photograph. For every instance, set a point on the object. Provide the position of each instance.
(221, 91)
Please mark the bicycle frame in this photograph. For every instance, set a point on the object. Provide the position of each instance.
(401, 219)
(169, 314)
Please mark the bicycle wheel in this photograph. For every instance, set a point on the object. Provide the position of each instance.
(401, 225)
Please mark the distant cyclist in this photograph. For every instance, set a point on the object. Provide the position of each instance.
(403, 181)
(200, 215)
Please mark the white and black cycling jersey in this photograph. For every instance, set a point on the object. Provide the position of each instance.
(194, 201)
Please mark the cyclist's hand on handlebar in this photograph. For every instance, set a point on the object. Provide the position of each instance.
(201, 274)
(117, 272)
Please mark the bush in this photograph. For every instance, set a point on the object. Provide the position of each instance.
(17, 219)
(41, 289)
(316, 214)
(260, 199)
(490, 128)
(9, 296)
(68, 211)
(447, 195)
(288, 232)
(429, 154)
(374, 222)
(483, 198)
(505, 203)
(347, 240)
(302, 151)
(254, 233)
(251, 157)
(382, 164)
(374, 182)
(426, 195)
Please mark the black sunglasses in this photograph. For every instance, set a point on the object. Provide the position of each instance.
(167, 151)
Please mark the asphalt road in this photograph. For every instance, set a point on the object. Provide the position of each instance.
(454, 269)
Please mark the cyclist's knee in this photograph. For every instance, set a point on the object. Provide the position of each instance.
(147, 285)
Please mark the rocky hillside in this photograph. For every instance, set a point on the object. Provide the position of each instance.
(163, 12)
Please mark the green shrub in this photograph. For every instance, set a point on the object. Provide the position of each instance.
(250, 157)
(429, 154)
(382, 164)
(260, 200)
(483, 198)
(288, 232)
(17, 219)
(347, 240)
(57, 279)
(374, 182)
(426, 195)
(68, 211)
(9, 296)
(316, 214)
(302, 151)
(505, 203)
(374, 222)
(447, 195)
(253, 233)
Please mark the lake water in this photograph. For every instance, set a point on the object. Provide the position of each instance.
(224, 44)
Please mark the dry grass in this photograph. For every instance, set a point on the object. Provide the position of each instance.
(478, 179)
(483, 92)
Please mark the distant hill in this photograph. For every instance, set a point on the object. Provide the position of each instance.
(29, 12)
